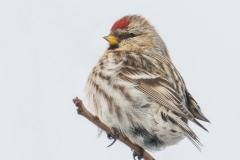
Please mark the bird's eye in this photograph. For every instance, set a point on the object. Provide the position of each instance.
(131, 35)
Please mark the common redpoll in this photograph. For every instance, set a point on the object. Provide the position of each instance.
(137, 91)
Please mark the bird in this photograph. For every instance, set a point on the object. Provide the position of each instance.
(137, 91)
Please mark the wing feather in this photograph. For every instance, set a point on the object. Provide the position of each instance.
(160, 85)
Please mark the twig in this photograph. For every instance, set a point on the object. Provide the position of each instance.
(95, 120)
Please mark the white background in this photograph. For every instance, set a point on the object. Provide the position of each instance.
(48, 48)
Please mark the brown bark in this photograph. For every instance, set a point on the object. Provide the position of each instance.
(95, 120)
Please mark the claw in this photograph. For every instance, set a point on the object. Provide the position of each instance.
(114, 137)
(109, 136)
(140, 156)
(134, 155)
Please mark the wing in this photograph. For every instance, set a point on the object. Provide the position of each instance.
(194, 108)
(192, 105)
(160, 81)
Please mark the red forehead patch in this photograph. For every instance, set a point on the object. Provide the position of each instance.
(120, 24)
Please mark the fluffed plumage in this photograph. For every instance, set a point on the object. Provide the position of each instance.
(136, 88)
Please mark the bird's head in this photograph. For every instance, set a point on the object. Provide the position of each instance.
(132, 33)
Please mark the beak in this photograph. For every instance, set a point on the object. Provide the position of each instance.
(112, 40)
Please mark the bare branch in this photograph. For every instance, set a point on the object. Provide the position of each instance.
(95, 120)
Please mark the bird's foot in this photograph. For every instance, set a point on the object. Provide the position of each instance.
(140, 155)
(114, 137)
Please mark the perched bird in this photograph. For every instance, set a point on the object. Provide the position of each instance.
(137, 91)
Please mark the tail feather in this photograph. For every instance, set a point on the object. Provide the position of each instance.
(186, 130)
(199, 124)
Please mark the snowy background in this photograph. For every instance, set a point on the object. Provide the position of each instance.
(48, 48)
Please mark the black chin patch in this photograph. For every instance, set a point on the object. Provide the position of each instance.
(112, 47)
